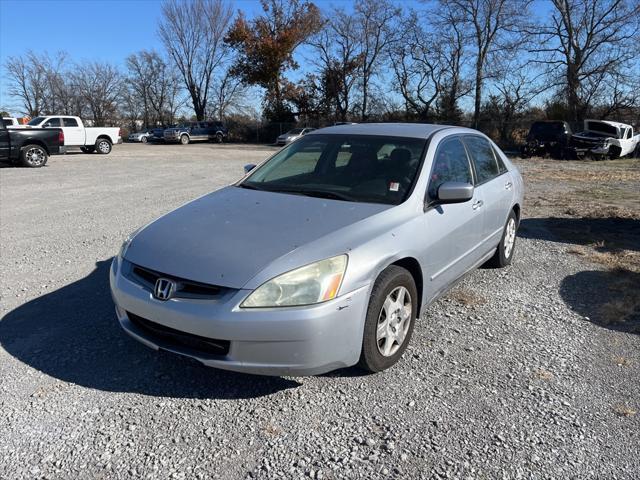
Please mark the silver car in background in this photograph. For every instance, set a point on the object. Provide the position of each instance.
(326, 254)
(292, 135)
(142, 137)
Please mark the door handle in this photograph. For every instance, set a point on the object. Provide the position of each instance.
(477, 204)
(508, 185)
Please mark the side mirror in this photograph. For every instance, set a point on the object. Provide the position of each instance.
(454, 192)
(248, 167)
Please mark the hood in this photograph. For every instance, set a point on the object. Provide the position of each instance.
(227, 237)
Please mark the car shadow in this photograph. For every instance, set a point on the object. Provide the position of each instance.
(72, 334)
(607, 233)
(608, 298)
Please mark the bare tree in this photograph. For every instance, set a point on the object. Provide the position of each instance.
(453, 43)
(339, 57)
(587, 44)
(154, 82)
(375, 20)
(418, 65)
(28, 82)
(227, 95)
(193, 34)
(99, 85)
(491, 25)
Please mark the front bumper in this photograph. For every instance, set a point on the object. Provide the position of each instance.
(278, 341)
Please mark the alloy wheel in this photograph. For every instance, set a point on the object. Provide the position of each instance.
(509, 237)
(394, 321)
(35, 156)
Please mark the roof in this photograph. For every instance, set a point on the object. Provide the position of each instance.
(411, 130)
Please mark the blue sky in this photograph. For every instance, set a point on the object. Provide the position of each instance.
(105, 30)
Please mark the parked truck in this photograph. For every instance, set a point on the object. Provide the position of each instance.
(605, 139)
(547, 137)
(89, 139)
(10, 121)
(30, 147)
(196, 131)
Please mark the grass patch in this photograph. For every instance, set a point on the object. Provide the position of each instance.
(623, 410)
(542, 374)
(466, 298)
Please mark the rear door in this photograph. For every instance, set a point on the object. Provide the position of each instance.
(452, 232)
(73, 132)
(494, 184)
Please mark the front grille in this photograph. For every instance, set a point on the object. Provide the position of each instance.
(170, 338)
(184, 288)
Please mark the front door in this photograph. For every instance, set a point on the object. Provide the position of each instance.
(454, 230)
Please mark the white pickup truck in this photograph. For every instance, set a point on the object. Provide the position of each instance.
(605, 139)
(10, 122)
(89, 139)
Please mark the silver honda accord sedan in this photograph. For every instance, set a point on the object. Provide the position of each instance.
(326, 254)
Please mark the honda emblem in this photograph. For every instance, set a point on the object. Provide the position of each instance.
(164, 289)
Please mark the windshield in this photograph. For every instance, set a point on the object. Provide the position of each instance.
(354, 168)
(295, 131)
(36, 121)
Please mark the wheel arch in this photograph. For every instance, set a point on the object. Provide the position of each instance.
(516, 209)
(40, 143)
(104, 136)
(412, 265)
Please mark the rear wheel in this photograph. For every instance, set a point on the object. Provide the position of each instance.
(33, 156)
(506, 248)
(390, 319)
(184, 139)
(103, 146)
(219, 137)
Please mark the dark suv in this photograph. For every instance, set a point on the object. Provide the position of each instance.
(550, 137)
(196, 131)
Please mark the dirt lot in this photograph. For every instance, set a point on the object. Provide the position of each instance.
(528, 372)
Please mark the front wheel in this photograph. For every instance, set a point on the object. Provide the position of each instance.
(219, 137)
(143, 140)
(507, 246)
(103, 146)
(184, 139)
(33, 156)
(393, 307)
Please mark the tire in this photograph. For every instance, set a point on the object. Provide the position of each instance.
(184, 139)
(89, 149)
(219, 138)
(381, 350)
(507, 246)
(33, 156)
(103, 146)
(143, 140)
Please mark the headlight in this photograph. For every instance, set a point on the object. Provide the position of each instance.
(307, 285)
(127, 242)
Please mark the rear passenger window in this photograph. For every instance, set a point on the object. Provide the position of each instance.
(52, 123)
(70, 122)
(501, 166)
(451, 164)
(483, 158)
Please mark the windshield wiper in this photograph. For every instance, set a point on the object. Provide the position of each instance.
(317, 193)
(249, 186)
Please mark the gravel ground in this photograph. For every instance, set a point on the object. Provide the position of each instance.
(509, 376)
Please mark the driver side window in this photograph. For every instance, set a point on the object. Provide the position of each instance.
(450, 164)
